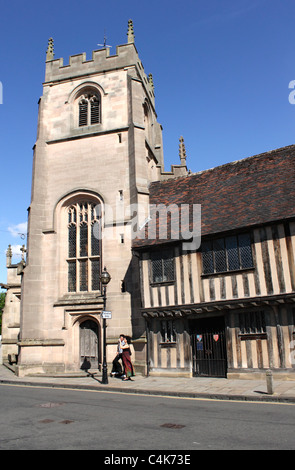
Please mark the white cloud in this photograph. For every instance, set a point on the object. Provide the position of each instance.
(19, 230)
(16, 250)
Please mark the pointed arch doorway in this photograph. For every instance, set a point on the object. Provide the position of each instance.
(89, 345)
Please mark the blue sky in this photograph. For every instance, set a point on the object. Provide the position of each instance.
(221, 71)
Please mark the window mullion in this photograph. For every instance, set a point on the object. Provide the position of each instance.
(89, 284)
(89, 223)
(78, 250)
(77, 275)
(78, 232)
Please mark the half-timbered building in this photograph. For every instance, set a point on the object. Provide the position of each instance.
(226, 307)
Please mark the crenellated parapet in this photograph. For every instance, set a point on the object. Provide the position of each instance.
(102, 61)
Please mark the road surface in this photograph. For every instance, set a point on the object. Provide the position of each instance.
(34, 418)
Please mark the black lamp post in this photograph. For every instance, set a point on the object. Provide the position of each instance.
(104, 279)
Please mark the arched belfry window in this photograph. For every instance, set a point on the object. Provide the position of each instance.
(83, 112)
(84, 247)
(94, 110)
(89, 105)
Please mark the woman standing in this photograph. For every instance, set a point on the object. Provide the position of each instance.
(128, 366)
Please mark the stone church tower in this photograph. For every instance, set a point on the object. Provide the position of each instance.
(98, 147)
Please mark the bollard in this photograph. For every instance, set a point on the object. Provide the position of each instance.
(269, 382)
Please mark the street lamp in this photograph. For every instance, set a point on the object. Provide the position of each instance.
(104, 279)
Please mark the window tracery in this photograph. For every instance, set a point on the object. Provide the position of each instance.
(89, 109)
(84, 247)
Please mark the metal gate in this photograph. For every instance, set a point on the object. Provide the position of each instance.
(209, 347)
(89, 345)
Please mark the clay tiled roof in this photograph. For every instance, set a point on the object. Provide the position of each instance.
(244, 193)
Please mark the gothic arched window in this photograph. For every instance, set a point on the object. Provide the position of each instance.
(84, 247)
(89, 109)
(83, 112)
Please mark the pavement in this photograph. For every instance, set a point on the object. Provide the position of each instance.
(240, 389)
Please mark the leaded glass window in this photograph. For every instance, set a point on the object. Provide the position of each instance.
(252, 323)
(162, 266)
(219, 255)
(72, 240)
(83, 239)
(231, 244)
(72, 277)
(207, 253)
(83, 247)
(227, 254)
(95, 238)
(245, 251)
(94, 270)
(83, 275)
(168, 331)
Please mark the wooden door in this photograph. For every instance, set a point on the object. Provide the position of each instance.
(89, 345)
